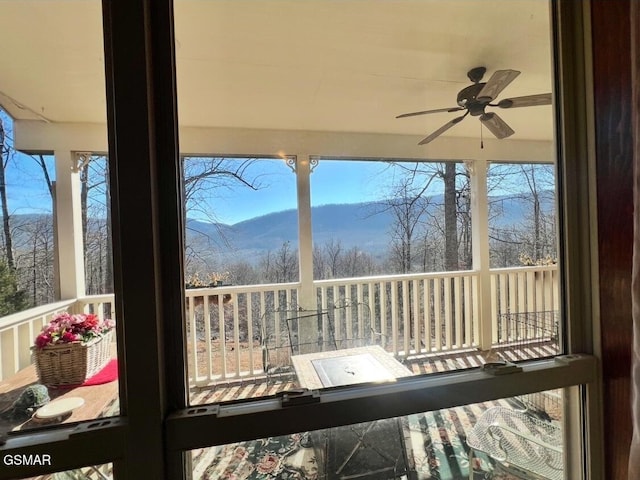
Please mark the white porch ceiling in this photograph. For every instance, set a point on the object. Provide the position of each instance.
(312, 65)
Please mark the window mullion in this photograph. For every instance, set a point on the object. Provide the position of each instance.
(220, 424)
(144, 170)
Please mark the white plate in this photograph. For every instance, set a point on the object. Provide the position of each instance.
(58, 408)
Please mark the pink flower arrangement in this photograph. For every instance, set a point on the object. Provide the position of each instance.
(67, 328)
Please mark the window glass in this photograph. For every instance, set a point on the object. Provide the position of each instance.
(27, 261)
(241, 221)
(95, 195)
(57, 335)
(519, 437)
(522, 215)
(371, 162)
(387, 218)
(94, 472)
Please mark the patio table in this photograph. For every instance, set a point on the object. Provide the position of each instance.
(372, 450)
(347, 367)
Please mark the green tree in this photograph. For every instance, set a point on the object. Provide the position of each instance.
(11, 299)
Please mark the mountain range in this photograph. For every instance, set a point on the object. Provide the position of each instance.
(363, 225)
(366, 226)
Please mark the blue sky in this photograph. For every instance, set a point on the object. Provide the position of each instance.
(331, 182)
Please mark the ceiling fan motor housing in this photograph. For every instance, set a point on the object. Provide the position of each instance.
(467, 99)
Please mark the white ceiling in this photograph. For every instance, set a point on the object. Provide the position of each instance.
(317, 65)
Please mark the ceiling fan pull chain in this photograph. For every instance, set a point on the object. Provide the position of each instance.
(481, 139)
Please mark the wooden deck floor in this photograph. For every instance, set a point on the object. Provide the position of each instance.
(259, 387)
(256, 387)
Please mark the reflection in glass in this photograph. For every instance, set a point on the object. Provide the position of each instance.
(507, 439)
(324, 239)
(55, 248)
(343, 342)
(95, 472)
(522, 215)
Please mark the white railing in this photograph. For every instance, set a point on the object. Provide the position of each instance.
(518, 293)
(219, 350)
(18, 331)
(414, 314)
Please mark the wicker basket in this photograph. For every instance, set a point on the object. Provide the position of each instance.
(69, 364)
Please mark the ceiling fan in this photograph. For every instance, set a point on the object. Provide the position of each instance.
(477, 97)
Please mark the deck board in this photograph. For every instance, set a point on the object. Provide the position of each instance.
(255, 387)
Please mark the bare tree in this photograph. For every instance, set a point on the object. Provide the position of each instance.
(5, 152)
(206, 177)
(448, 174)
(539, 181)
(34, 261)
(281, 266)
(528, 188)
(408, 202)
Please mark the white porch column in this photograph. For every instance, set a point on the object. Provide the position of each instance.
(480, 247)
(307, 298)
(70, 254)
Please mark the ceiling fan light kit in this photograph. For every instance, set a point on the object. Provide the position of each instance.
(477, 97)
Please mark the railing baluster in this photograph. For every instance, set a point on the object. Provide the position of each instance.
(372, 310)
(458, 310)
(555, 292)
(522, 297)
(495, 309)
(426, 286)
(193, 374)
(415, 288)
(437, 312)
(448, 306)
(236, 329)
(337, 321)
(207, 337)
(348, 315)
(9, 352)
(250, 349)
(382, 292)
(539, 291)
(531, 300)
(263, 327)
(503, 283)
(512, 293)
(394, 316)
(360, 315)
(24, 340)
(406, 318)
(222, 331)
(325, 317)
(466, 286)
(276, 317)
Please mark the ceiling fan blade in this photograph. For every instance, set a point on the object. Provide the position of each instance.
(496, 125)
(528, 101)
(424, 112)
(442, 129)
(498, 82)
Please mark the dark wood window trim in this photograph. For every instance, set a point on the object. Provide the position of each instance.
(141, 103)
